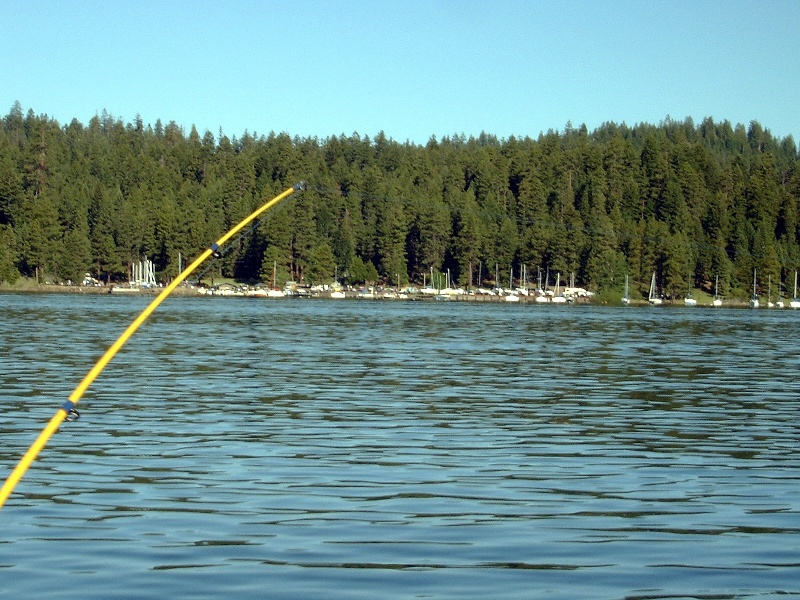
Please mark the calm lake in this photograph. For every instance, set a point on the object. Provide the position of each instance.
(258, 448)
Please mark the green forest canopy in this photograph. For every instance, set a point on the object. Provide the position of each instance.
(689, 202)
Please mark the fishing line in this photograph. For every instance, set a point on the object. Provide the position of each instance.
(68, 411)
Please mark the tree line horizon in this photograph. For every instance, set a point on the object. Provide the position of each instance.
(689, 202)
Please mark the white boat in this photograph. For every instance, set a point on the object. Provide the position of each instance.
(779, 302)
(769, 292)
(514, 293)
(274, 292)
(626, 298)
(795, 301)
(717, 300)
(541, 294)
(523, 284)
(141, 276)
(754, 303)
(143, 273)
(337, 293)
(653, 297)
(690, 301)
(558, 298)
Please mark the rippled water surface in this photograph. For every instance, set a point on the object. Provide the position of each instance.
(243, 448)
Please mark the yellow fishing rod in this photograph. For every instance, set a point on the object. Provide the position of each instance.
(68, 411)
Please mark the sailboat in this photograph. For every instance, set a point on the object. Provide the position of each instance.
(523, 289)
(541, 296)
(274, 292)
(558, 298)
(754, 303)
(769, 292)
(779, 302)
(653, 296)
(717, 300)
(626, 299)
(337, 293)
(512, 295)
(795, 301)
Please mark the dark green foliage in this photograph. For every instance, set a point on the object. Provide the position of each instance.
(688, 202)
(361, 272)
(8, 270)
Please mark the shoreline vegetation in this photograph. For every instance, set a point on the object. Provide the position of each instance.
(697, 207)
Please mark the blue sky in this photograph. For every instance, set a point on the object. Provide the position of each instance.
(410, 68)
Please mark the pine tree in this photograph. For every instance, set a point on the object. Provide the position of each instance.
(8, 270)
(321, 265)
(11, 190)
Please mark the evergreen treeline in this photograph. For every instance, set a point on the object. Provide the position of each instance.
(690, 202)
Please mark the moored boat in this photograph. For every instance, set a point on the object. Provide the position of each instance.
(754, 302)
(795, 301)
(653, 297)
(717, 300)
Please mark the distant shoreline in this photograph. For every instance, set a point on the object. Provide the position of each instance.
(44, 288)
(187, 291)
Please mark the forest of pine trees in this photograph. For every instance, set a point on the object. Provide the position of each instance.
(688, 201)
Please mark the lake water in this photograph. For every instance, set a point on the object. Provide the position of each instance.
(252, 448)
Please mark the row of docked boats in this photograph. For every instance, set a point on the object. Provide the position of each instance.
(654, 299)
(779, 303)
(539, 296)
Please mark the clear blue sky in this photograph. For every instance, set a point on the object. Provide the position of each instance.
(411, 68)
